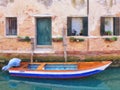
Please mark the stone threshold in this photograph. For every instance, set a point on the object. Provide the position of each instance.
(44, 50)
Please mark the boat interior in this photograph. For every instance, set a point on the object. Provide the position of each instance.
(69, 66)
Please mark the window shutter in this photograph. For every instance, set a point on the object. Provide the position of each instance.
(102, 26)
(85, 26)
(69, 31)
(116, 30)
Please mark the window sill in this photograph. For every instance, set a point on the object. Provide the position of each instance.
(15, 36)
(78, 36)
(105, 36)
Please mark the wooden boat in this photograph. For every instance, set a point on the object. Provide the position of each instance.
(58, 70)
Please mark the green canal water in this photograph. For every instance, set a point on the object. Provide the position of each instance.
(106, 80)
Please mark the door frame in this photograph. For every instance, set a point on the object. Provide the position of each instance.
(40, 46)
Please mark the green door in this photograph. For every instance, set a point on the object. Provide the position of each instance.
(44, 31)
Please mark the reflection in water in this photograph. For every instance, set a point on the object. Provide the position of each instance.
(100, 81)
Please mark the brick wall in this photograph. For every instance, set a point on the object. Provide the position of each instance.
(59, 10)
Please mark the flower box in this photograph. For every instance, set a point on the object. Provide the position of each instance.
(111, 39)
(57, 39)
(24, 39)
(73, 39)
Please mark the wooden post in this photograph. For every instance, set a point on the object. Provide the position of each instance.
(64, 44)
(32, 50)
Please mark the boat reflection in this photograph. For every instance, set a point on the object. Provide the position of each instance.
(89, 83)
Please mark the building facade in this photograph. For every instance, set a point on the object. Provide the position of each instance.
(85, 25)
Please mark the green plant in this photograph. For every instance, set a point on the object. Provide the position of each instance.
(27, 38)
(80, 39)
(24, 39)
(57, 39)
(73, 39)
(108, 32)
(111, 39)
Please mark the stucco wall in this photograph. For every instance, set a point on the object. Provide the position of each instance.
(26, 12)
(99, 9)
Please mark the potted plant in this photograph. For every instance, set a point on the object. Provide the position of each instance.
(108, 32)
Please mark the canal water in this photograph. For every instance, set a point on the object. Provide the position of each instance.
(106, 80)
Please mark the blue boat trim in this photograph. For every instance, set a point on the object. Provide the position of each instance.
(64, 76)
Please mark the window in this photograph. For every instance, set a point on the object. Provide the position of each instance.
(11, 26)
(77, 26)
(110, 26)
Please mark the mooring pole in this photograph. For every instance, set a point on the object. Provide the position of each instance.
(32, 50)
(64, 44)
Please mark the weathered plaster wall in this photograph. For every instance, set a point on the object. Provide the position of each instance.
(99, 9)
(26, 12)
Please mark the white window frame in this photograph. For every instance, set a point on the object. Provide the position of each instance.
(10, 36)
